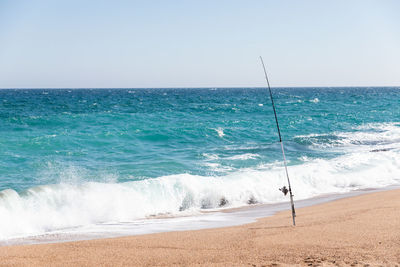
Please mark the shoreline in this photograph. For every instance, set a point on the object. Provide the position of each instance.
(208, 219)
(355, 230)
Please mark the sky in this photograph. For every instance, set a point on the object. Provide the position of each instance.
(204, 43)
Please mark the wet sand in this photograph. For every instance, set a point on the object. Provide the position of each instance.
(354, 231)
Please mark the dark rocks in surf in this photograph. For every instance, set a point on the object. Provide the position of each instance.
(206, 204)
(252, 200)
(223, 201)
(187, 202)
(209, 204)
(380, 150)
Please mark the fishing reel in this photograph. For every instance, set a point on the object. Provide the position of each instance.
(284, 190)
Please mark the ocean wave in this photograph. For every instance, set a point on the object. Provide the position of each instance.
(364, 137)
(52, 207)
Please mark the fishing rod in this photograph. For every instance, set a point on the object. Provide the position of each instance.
(283, 189)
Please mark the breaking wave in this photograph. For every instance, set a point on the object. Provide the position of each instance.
(374, 163)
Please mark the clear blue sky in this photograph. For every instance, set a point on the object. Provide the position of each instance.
(205, 43)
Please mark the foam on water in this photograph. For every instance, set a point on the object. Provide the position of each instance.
(365, 137)
(244, 156)
(52, 207)
(220, 132)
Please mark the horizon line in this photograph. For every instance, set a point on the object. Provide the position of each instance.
(201, 87)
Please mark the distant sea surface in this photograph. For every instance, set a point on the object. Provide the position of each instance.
(77, 157)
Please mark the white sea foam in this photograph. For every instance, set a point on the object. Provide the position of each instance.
(315, 100)
(71, 204)
(366, 137)
(217, 167)
(51, 207)
(210, 156)
(220, 132)
(244, 156)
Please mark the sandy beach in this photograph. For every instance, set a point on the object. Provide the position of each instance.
(358, 231)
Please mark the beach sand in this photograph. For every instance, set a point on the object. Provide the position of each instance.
(354, 231)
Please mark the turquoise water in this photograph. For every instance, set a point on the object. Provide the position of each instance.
(84, 156)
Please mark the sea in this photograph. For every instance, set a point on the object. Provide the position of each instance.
(80, 158)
